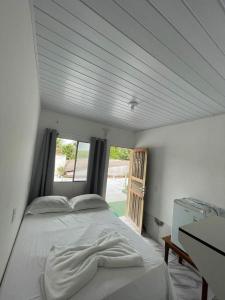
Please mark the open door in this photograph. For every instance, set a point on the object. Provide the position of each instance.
(136, 187)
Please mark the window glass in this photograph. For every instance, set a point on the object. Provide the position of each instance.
(82, 161)
(71, 160)
(65, 159)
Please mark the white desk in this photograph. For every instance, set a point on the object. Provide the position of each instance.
(204, 241)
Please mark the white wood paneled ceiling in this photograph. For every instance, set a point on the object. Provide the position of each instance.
(95, 56)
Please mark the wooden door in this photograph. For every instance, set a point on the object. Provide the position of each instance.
(136, 187)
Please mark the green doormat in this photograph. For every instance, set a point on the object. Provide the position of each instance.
(118, 208)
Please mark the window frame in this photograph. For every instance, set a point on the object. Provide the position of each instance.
(75, 161)
(75, 164)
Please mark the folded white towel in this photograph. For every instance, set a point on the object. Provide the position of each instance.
(68, 269)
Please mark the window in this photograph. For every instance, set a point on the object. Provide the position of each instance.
(71, 160)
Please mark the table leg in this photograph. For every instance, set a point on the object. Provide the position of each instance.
(166, 253)
(204, 289)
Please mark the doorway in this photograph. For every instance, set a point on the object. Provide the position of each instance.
(117, 180)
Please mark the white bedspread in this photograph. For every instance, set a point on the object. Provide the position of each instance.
(40, 232)
(70, 268)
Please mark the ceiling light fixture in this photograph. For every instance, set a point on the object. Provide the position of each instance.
(133, 103)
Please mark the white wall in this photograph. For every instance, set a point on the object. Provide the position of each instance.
(80, 129)
(185, 160)
(19, 110)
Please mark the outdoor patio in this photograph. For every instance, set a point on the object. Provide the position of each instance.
(117, 181)
(116, 195)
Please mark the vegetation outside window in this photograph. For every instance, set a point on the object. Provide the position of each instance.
(71, 161)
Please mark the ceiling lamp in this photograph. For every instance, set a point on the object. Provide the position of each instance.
(133, 103)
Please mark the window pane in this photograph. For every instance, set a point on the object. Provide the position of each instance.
(82, 161)
(65, 159)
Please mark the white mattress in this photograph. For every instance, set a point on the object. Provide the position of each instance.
(37, 235)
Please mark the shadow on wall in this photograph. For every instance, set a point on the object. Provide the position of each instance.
(153, 198)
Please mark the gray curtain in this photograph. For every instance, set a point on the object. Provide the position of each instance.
(96, 166)
(42, 183)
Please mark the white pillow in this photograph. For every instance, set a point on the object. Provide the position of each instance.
(87, 201)
(47, 204)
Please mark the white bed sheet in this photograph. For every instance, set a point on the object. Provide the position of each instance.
(38, 233)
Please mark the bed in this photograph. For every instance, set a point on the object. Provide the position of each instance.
(39, 232)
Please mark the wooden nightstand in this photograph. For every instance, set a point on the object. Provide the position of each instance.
(183, 256)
